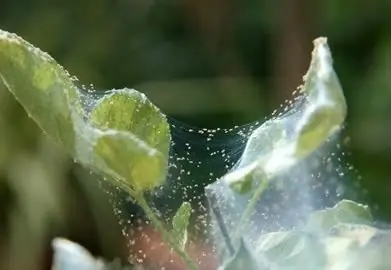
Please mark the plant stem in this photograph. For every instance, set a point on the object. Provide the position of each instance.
(167, 237)
(250, 209)
(220, 223)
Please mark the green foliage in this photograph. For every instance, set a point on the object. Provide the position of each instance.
(126, 138)
(180, 222)
(130, 110)
(132, 33)
(42, 86)
(130, 161)
(138, 150)
(116, 143)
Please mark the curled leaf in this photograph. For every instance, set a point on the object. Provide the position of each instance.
(282, 141)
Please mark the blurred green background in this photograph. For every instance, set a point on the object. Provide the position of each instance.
(210, 63)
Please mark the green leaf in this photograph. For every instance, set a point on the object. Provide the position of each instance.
(244, 186)
(324, 93)
(243, 259)
(292, 250)
(343, 212)
(130, 110)
(125, 137)
(180, 222)
(129, 160)
(135, 141)
(282, 141)
(41, 86)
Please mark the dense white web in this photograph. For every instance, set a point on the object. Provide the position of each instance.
(200, 156)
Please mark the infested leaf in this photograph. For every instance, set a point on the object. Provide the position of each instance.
(130, 161)
(138, 149)
(345, 211)
(130, 110)
(284, 140)
(292, 250)
(125, 136)
(42, 87)
(180, 223)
